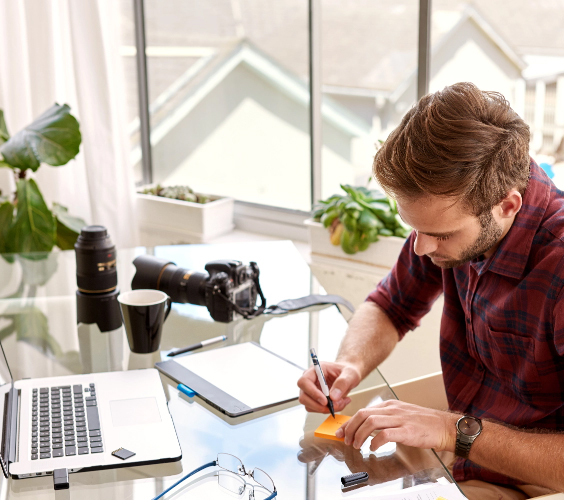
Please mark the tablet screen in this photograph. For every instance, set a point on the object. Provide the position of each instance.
(247, 372)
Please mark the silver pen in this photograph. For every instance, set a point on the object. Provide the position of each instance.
(322, 382)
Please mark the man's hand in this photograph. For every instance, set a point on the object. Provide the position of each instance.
(340, 378)
(401, 423)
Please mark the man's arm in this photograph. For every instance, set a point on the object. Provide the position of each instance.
(370, 338)
(533, 457)
(529, 456)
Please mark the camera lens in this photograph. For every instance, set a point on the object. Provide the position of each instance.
(181, 285)
(95, 261)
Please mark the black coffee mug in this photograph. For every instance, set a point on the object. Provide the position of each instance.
(144, 313)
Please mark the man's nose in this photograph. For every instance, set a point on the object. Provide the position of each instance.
(424, 244)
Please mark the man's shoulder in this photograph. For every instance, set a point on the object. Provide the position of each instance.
(552, 226)
(547, 250)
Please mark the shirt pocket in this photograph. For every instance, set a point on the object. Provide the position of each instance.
(512, 358)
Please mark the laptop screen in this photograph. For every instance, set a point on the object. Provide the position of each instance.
(6, 383)
(5, 372)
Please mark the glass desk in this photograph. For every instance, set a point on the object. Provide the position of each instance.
(39, 334)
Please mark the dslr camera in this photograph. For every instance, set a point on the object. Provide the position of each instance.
(229, 288)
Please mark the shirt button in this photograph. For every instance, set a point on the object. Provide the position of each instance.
(468, 321)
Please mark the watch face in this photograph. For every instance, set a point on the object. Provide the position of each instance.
(469, 426)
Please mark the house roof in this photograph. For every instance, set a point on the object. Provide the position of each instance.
(190, 88)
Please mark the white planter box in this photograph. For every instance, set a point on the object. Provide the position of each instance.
(165, 221)
(383, 253)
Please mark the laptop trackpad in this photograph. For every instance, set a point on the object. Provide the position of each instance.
(134, 411)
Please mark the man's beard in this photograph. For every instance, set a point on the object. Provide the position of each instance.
(489, 235)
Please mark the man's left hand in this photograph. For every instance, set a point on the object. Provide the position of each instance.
(403, 423)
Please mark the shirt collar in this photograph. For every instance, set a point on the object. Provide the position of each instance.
(512, 255)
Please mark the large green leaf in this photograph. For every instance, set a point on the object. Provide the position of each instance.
(53, 138)
(33, 229)
(68, 227)
(4, 136)
(6, 216)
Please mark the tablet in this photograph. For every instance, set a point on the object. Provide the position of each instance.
(236, 379)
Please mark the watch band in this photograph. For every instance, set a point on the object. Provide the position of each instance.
(462, 449)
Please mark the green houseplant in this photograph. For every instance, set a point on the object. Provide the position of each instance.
(26, 223)
(359, 217)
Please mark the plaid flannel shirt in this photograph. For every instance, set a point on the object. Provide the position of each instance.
(502, 327)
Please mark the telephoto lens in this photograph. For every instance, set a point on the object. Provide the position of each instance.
(96, 278)
(95, 261)
(181, 285)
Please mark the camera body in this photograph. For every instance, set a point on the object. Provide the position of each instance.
(227, 289)
(235, 280)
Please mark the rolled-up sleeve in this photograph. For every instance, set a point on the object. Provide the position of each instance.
(407, 293)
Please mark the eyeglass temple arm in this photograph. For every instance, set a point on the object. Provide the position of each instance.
(195, 471)
(274, 493)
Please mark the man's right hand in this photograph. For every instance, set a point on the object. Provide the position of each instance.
(341, 379)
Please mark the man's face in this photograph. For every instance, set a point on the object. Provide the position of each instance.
(448, 233)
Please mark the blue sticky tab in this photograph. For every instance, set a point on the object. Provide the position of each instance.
(186, 390)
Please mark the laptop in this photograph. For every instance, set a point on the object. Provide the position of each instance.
(77, 421)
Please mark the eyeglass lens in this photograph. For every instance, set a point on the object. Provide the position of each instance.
(236, 484)
(230, 463)
(231, 482)
(263, 479)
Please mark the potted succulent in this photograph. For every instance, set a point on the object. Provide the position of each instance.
(177, 214)
(360, 220)
(27, 225)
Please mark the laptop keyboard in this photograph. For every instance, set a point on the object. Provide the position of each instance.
(65, 422)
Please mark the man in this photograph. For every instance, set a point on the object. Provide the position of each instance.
(488, 232)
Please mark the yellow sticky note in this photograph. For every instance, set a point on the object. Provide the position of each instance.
(441, 498)
(328, 428)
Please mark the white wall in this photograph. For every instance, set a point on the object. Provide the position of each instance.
(471, 56)
(467, 55)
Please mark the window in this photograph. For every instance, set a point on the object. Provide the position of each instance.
(229, 97)
(229, 92)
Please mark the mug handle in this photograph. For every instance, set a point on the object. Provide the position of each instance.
(168, 308)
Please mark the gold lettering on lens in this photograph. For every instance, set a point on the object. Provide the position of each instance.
(104, 266)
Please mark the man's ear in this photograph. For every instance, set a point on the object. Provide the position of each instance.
(510, 205)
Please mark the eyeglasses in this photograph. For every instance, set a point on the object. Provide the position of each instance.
(232, 478)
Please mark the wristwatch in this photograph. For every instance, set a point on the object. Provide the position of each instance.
(468, 428)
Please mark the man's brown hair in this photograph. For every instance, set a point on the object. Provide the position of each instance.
(459, 142)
